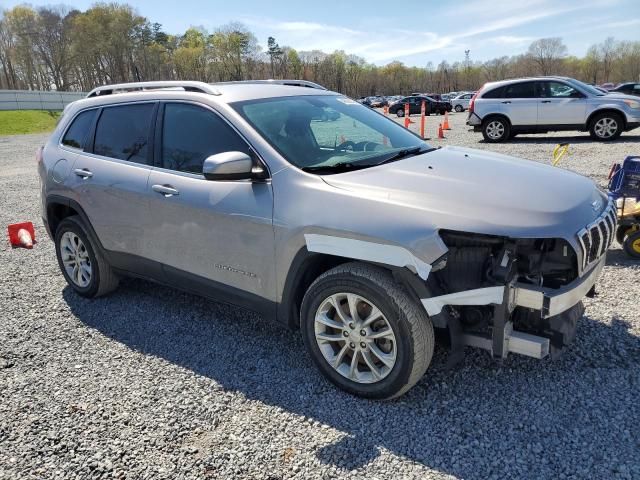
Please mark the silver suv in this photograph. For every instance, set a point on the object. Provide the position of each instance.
(314, 210)
(501, 110)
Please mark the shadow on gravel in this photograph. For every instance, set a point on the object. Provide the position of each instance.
(618, 258)
(577, 415)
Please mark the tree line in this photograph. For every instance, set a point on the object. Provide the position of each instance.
(66, 49)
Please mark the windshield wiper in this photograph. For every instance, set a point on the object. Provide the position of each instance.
(336, 168)
(402, 154)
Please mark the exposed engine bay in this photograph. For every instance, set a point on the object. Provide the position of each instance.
(480, 261)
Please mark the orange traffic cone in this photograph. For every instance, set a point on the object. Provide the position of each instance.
(440, 132)
(446, 121)
(22, 235)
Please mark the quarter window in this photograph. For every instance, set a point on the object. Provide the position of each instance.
(123, 132)
(190, 134)
(79, 130)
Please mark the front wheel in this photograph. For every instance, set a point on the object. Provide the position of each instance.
(459, 108)
(400, 112)
(496, 129)
(365, 333)
(606, 126)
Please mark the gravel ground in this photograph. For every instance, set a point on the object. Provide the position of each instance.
(153, 383)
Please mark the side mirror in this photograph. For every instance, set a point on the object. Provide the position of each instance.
(231, 166)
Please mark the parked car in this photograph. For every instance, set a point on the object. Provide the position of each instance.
(627, 88)
(415, 106)
(461, 102)
(503, 109)
(377, 102)
(234, 192)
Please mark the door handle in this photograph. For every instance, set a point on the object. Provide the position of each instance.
(507, 101)
(545, 101)
(166, 190)
(83, 172)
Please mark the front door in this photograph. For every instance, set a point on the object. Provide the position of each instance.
(202, 231)
(560, 104)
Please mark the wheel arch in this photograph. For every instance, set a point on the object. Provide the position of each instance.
(58, 208)
(304, 269)
(488, 117)
(608, 110)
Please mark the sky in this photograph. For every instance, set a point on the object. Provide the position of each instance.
(413, 32)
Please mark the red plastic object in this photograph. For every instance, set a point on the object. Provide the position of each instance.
(14, 235)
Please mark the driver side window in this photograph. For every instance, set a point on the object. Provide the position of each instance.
(558, 90)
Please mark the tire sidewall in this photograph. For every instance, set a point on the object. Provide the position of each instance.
(505, 134)
(69, 225)
(345, 283)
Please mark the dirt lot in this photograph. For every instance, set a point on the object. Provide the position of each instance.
(153, 383)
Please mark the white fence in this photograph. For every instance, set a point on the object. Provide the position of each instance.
(36, 100)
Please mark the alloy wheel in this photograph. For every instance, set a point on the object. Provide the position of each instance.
(495, 130)
(75, 259)
(355, 338)
(606, 127)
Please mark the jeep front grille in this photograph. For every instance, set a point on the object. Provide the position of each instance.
(596, 237)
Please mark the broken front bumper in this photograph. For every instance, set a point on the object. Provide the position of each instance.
(559, 310)
(553, 302)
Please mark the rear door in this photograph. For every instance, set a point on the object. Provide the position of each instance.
(560, 104)
(109, 178)
(204, 230)
(520, 104)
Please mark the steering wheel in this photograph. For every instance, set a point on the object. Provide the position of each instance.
(345, 145)
(366, 146)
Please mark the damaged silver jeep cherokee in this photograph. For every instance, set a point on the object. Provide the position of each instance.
(308, 207)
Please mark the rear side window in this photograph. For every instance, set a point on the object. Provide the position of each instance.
(191, 133)
(520, 90)
(79, 130)
(123, 132)
(495, 93)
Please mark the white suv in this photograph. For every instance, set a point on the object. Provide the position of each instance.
(501, 110)
(461, 102)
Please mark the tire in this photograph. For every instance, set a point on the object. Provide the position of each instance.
(632, 244)
(400, 112)
(496, 129)
(606, 126)
(96, 277)
(621, 232)
(411, 343)
(459, 108)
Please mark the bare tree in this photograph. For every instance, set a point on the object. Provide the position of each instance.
(547, 54)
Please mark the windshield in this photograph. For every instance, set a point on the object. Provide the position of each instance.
(586, 88)
(329, 133)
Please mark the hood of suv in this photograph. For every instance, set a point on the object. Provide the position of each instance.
(482, 192)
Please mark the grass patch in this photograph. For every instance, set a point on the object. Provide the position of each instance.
(17, 122)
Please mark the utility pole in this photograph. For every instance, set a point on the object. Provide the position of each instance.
(467, 65)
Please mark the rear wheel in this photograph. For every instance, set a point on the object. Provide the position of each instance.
(606, 126)
(400, 112)
(459, 108)
(632, 244)
(496, 129)
(365, 333)
(82, 265)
